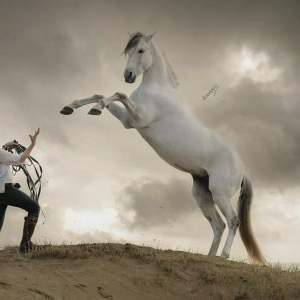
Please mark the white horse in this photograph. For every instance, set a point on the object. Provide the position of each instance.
(154, 109)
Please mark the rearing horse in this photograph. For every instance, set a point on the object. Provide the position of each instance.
(154, 109)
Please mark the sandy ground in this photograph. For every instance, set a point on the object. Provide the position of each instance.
(79, 279)
(167, 275)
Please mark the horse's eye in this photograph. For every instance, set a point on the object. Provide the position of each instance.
(141, 51)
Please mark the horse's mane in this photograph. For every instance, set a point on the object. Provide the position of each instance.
(134, 40)
(171, 69)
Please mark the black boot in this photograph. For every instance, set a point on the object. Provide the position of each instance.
(26, 244)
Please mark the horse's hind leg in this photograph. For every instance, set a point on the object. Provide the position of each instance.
(205, 201)
(69, 109)
(222, 198)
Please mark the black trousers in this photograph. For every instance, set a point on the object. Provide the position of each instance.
(17, 198)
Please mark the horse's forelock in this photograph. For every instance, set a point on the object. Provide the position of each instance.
(133, 41)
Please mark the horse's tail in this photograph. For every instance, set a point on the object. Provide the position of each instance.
(245, 228)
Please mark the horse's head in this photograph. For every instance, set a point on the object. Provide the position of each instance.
(140, 56)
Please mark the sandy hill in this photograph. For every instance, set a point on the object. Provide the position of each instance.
(129, 272)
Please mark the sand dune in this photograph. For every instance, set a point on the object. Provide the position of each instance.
(128, 272)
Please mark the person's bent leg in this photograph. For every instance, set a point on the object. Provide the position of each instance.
(3, 208)
(19, 199)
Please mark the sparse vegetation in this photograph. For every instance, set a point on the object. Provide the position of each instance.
(133, 272)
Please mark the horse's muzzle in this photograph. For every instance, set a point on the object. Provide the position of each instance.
(130, 80)
(129, 76)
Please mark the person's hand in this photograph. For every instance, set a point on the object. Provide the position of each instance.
(33, 138)
(13, 143)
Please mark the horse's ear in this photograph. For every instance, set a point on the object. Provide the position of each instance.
(150, 36)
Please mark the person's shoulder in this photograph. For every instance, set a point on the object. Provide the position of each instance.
(3, 153)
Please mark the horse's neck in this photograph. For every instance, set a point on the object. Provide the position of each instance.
(160, 72)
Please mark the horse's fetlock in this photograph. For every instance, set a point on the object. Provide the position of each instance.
(75, 103)
(126, 125)
(98, 97)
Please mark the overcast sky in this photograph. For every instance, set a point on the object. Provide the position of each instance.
(104, 183)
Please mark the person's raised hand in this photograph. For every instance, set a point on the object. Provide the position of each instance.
(33, 138)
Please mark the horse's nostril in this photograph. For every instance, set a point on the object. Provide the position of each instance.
(130, 74)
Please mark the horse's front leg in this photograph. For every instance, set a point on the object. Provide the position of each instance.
(69, 109)
(137, 113)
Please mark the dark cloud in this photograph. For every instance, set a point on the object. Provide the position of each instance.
(156, 202)
(264, 127)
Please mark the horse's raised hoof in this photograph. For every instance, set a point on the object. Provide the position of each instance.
(67, 110)
(94, 112)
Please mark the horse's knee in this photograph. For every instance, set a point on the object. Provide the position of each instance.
(121, 96)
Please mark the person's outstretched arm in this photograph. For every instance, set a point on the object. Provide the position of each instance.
(27, 152)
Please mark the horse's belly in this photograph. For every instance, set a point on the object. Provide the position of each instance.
(184, 149)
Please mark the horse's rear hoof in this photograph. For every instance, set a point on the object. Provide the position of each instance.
(67, 110)
(95, 112)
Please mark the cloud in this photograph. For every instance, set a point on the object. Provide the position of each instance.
(156, 202)
(263, 126)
